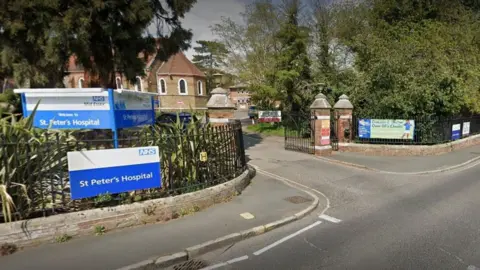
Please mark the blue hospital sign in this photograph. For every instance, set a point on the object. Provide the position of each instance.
(111, 171)
(88, 108)
(70, 110)
(133, 110)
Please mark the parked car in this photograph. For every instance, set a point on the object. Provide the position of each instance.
(252, 112)
(171, 118)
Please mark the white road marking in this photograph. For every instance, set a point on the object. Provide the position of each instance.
(258, 252)
(232, 261)
(472, 267)
(294, 185)
(247, 215)
(330, 219)
(238, 259)
(218, 265)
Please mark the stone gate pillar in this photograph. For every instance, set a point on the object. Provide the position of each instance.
(343, 111)
(320, 109)
(220, 108)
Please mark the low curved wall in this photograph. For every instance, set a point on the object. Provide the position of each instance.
(409, 150)
(40, 230)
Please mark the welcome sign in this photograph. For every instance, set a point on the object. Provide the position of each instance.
(386, 129)
(88, 108)
(69, 110)
(111, 171)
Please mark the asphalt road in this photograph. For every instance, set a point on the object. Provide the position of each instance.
(381, 221)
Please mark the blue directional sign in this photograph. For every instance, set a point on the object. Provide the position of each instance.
(112, 171)
(455, 132)
(133, 110)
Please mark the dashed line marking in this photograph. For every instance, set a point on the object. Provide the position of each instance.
(222, 264)
(239, 259)
(258, 252)
(330, 219)
(247, 215)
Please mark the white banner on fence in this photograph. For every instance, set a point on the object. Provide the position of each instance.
(466, 128)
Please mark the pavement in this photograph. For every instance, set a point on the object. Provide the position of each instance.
(265, 198)
(374, 220)
(366, 219)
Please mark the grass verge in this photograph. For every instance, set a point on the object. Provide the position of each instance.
(268, 129)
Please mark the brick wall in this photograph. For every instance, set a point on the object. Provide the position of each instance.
(237, 94)
(409, 150)
(173, 100)
(41, 230)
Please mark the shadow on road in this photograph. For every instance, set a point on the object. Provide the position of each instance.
(250, 140)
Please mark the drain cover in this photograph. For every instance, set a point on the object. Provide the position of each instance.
(297, 199)
(190, 265)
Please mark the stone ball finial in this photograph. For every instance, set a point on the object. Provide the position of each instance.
(343, 103)
(320, 102)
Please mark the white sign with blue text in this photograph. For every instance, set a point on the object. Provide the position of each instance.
(88, 110)
(112, 171)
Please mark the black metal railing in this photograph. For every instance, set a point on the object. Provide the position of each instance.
(35, 170)
(299, 132)
(426, 131)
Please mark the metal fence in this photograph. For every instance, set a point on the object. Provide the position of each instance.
(35, 170)
(299, 132)
(427, 130)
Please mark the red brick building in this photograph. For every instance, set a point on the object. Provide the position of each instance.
(240, 96)
(180, 84)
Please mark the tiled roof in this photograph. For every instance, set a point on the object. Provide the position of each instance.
(73, 65)
(179, 64)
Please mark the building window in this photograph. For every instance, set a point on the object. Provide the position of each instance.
(118, 82)
(80, 82)
(200, 88)
(182, 87)
(162, 86)
(138, 84)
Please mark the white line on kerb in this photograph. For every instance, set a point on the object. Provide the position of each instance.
(258, 252)
(291, 182)
(330, 219)
(232, 261)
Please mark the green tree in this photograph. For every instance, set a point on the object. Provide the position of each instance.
(252, 45)
(292, 70)
(412, 58)
(106, 36)
(113, 34)
(210, 57)
(33, 49)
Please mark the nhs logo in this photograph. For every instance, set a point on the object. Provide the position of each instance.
(98, 99)
(147, 151)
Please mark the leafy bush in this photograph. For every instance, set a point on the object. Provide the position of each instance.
(34, 173)
(28, 157)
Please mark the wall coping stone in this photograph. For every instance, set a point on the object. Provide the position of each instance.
(409, 150)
